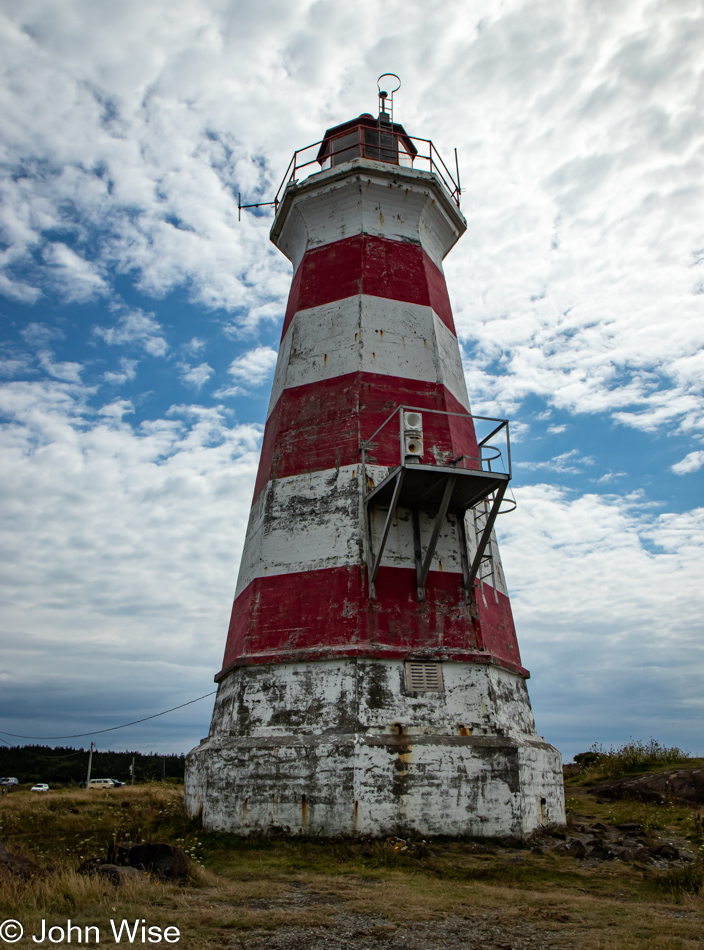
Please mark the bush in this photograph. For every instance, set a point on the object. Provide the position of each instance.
(634, 756)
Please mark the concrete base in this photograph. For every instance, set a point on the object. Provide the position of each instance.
(343, 746)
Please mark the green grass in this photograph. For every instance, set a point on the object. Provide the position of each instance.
(631, 758)
(239, 885)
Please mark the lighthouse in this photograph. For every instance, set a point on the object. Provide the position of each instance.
(372, 680)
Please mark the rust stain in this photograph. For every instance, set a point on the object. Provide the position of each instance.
(325, 358)
(462, 730)
(381, 219)
(244, 809)
(304, 811)
(356, 814)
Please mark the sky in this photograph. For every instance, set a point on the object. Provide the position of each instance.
(140, 320)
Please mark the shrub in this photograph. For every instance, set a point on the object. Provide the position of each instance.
(633, 756)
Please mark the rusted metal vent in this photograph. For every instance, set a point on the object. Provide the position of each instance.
(424, 677)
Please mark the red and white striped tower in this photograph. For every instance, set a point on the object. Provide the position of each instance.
(372, 680)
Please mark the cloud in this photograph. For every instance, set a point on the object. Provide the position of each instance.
(75, 278)
(585, 239)
(252, 369)
(138, 329)
(690, 463)
(578, 287)
(69, 372)
(608, 606)
(128, 371)
(567, 463)
(117, 552)
(196, 376)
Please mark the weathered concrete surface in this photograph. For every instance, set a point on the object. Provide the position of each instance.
(343, 746)
(314, 729)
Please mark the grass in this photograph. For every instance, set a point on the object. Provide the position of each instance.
(629, 759)
(241, 889)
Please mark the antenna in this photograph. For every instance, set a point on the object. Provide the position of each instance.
(386, 99)
(259, 204)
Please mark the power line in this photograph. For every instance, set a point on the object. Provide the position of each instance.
(81, 735)
(36, 755)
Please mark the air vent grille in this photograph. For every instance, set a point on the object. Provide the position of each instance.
(423, 677)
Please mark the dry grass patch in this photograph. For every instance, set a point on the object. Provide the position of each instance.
(249, 890)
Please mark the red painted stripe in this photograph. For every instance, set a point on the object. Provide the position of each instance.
(321, 425)
(365, 264)
(327, 613)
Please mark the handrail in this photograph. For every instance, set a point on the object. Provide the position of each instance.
(503, 425)
(364, 147)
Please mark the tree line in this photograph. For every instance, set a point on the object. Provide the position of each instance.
(68, 766)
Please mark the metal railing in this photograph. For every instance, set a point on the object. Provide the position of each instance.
(488, 452)
(379, 144)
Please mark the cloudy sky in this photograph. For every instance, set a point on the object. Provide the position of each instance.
(140, 321)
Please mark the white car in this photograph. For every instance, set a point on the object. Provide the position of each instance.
(41, 787)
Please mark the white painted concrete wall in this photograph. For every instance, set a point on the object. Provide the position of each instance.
(371, 756)
(364, 334)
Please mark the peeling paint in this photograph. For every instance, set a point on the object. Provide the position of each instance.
(314, 730)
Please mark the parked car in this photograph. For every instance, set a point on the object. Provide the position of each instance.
(117, 783)
(9, 781)
(40, 787)
(101, 783)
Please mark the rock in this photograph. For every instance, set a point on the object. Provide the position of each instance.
(17, 865)
(118, 852)
(685, 785)
(573, 847)
(643, 854)
(631, 828)
(167, 861)
(665, 850)
(119, 875)
(596, 849)
(90, 866)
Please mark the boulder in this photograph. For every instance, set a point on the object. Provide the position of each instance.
(665, 850)
(166, 861)
(573, 847)
(17, 865)
(684, 785)
(120, 875)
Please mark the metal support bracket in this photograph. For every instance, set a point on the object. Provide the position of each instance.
(417, 552)
(372, 562)
(464, 559)
(433, 543)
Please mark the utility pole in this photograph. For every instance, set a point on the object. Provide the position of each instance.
(163, 768)
(90, 764)
(132, 771)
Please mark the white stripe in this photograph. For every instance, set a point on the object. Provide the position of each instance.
(314, 521)
(364, 334)
(400, 207)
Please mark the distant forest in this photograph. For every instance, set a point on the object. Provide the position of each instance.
(67, 766)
